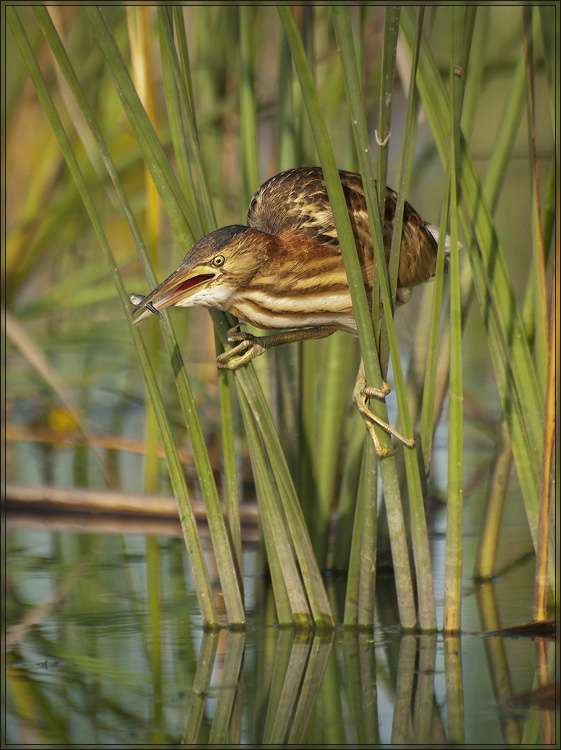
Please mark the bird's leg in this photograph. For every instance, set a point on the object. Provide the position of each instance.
(249, 346)
(361, 394)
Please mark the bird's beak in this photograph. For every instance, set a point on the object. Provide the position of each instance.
(175, 290)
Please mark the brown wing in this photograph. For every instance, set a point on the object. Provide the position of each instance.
(296, 200)
(417, 260)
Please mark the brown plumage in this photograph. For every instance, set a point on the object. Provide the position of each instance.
(296, 201)
(284, 269)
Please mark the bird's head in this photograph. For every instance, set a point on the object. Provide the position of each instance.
(211, 273)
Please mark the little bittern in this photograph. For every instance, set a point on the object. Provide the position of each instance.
(284, 270)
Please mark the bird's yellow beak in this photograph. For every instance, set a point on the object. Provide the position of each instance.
(175, 290)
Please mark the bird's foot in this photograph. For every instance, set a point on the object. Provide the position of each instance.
(361, 394)
(247, 348)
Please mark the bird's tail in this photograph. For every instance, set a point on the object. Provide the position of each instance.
(435, 231)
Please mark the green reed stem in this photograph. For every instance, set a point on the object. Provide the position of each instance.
(225, 561)
(288, 368)
(453, 549)
(156, 161)
(421, 550)
(490, 524)
(432, 359)
(142, 71)
(178, 210)
(351, 562)
(391, 31)
(285, 126)
(358, 294)
(177, 131)
(540, 292)
(550, 40)
(309, 352)
(498, 481)
(368, 544)
(248, 115)
(419, 534)
(514, 369)
(188, 523)
(290, 596)
(181, 37)
(307, 426)
(332, 409)
(348, 493)
(477, 63)
(183, 106)
(544, 575)
(179, 102)
(297, 533)
(496, 171)
(383, 137)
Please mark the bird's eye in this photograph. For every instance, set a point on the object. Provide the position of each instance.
(218, 261)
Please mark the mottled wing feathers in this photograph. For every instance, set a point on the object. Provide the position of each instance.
(417, 261)
(296, 201)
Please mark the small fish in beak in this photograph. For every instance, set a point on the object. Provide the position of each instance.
(137, 299)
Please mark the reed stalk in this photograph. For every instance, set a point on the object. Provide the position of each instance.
(188, 523)
(329, 448)
(453, 551)
(387, 81)
(233, 598)
(141, 53)
(540, 291)
(176, 74)
(512, 363)
(160, 170)
(420, 540)
(358, 294)
(290, 595)
(285, 494)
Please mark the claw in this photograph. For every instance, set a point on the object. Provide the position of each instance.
(382, 392)
(253, 346)
(361, 394)
(234, 358)
(233, 333)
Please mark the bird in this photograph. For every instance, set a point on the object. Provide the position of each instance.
(283, 271)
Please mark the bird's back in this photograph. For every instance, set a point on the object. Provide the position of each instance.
(296, 202)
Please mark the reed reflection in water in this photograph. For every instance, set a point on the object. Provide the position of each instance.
(104, 646)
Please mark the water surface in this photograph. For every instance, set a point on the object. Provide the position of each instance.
(105, 646)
